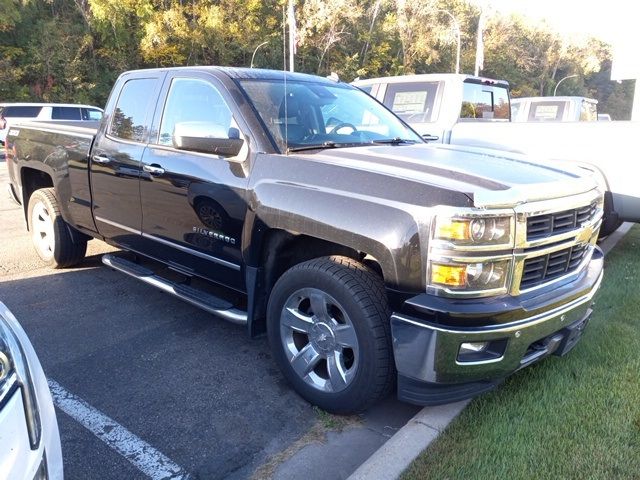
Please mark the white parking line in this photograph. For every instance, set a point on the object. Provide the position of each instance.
(146, 458)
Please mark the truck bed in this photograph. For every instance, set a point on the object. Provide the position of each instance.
(61, 150)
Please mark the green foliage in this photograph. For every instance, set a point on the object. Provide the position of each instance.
(10, 14)
(72, 50)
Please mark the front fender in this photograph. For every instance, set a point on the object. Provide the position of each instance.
(383, 229)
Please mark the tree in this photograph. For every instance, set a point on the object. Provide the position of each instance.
(325, 24)
(72, 50)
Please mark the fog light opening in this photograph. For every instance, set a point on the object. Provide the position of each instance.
(472, 347)
(481, 352)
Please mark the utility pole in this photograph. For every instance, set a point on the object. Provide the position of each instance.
(292, 36)
(479, 45)
(457, 27)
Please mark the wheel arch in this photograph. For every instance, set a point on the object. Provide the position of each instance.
(32, 179)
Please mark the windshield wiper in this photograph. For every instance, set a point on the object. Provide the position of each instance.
(393, 141)
(320, 146)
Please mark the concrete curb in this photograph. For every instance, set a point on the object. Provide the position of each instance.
(395, 456)
(608, 243)
(390, 460)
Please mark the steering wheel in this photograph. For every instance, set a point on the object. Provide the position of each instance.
(342, 125)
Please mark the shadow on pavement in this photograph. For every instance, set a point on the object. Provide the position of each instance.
(194, 387)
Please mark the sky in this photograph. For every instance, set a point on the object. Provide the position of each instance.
(614, 21)
(610, 21)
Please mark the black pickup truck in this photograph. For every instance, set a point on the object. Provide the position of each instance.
(301, 207)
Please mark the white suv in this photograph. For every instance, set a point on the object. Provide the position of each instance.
(10, 112)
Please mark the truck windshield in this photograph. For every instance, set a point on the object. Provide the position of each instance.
(323, 115)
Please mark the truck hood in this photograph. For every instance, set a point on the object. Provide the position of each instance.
(490, 178)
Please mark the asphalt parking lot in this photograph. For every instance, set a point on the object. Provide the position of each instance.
(190, 386)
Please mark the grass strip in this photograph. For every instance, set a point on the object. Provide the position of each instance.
(576, 417)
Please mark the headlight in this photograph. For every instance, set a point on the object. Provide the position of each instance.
(14, 369)
(472, 277)
(475, 231)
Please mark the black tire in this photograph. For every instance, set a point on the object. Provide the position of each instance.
(65, 247)
(359, 293)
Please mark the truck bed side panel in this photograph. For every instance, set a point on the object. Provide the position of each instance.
(62, 152)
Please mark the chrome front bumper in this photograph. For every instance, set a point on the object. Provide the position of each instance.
(428, 352)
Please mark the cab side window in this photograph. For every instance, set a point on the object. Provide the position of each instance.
(65, 113)
(412, 102)
(129, 116)
(197, 103)
(91, 114)
(546, 111)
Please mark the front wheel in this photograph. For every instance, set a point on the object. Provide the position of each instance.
(55, 242)
(328, 327)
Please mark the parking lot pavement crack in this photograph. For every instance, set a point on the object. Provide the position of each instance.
(428, 426)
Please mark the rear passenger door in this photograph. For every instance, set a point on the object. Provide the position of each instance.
(116, 156)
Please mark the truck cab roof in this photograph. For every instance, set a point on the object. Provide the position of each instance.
(433, 77)
(240, 73)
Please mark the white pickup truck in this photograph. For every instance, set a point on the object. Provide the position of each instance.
(554, 109)
(468, 110)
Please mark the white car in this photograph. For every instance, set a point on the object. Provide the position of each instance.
(29, 437)
(45, 112)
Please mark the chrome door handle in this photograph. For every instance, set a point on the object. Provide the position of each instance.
(153, 169)
(102, 159)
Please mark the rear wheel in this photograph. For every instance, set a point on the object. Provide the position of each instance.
(328, 326)
(54, 240)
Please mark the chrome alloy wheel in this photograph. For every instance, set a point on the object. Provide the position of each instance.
(42, 230)
(319, 340)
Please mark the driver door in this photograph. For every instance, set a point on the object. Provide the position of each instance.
(194, 204)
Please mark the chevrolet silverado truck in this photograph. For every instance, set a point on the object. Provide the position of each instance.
(301, 207)
(474, 111)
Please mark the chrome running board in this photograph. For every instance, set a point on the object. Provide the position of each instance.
(199, 298)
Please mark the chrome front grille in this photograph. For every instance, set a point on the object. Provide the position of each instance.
(541, 226)
(554, 239)
(544, 268)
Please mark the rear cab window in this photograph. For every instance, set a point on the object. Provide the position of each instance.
(588, 112)
(129, 121)
(483, 101)
(412, 102)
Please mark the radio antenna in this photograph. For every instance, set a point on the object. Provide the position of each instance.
(284, 73)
